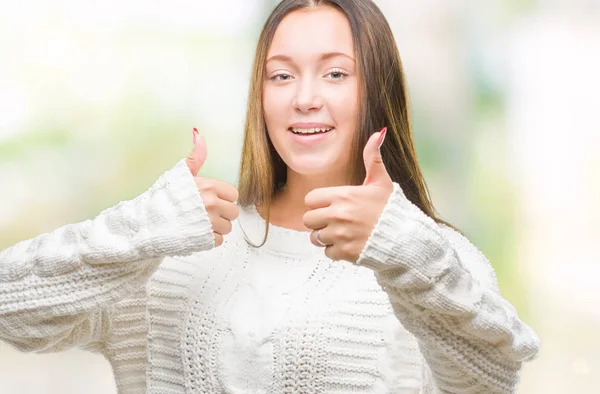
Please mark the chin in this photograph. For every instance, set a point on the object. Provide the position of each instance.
(310, 168)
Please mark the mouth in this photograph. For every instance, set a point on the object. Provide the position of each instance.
(311, 130)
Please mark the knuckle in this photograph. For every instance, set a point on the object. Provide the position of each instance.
(208, 184)
(210, 201)
(343, 214)
(305, 220)
(340, 233)
(344, 195)
(307, 200)
(347, 249)
(227, 226)
(214, 220)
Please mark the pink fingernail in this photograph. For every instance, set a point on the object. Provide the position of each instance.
(382, 134)
(194, 134)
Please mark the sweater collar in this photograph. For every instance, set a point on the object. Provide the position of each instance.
(281, 241)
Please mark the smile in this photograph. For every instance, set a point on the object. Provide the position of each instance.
(310, 131)
(309, 137)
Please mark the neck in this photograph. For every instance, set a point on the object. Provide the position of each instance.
(288, 208)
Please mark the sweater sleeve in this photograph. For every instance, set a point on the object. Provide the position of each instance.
(444, 291)
(57, 288)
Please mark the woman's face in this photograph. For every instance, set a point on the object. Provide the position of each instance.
(310, 94)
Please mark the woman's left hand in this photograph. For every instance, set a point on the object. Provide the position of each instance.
(345, 216)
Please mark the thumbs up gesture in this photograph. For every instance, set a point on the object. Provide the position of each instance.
(343, 217)
(218, 197)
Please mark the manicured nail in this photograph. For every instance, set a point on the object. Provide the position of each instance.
(382, 133)
(194, 134)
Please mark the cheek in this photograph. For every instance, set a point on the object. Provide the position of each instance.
(275, 110)
(267, 106)
(344, 105)
(275, 106)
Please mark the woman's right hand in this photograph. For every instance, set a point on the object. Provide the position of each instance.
(218, 196)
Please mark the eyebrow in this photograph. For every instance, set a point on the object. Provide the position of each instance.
(323, 56)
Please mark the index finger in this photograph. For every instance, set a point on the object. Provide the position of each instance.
(323, 197)
(226, 192)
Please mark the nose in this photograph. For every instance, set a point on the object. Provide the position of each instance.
(307, 97)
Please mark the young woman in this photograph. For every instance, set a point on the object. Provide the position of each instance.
(334, 275)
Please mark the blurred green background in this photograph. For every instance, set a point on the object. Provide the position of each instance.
(97, 99)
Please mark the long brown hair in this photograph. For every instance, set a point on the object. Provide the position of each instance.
(383, 103)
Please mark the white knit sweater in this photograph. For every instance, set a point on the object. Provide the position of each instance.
(143, 285)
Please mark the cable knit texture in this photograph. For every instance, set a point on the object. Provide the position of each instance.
(143, 285)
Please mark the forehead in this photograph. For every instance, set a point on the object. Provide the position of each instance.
(313, 31)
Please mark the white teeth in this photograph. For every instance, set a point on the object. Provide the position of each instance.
(311, 131)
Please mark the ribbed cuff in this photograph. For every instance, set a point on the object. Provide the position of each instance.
(406, 237)
(189, 222)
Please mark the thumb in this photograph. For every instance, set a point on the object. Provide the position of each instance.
(375, 169)
(196, 158)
